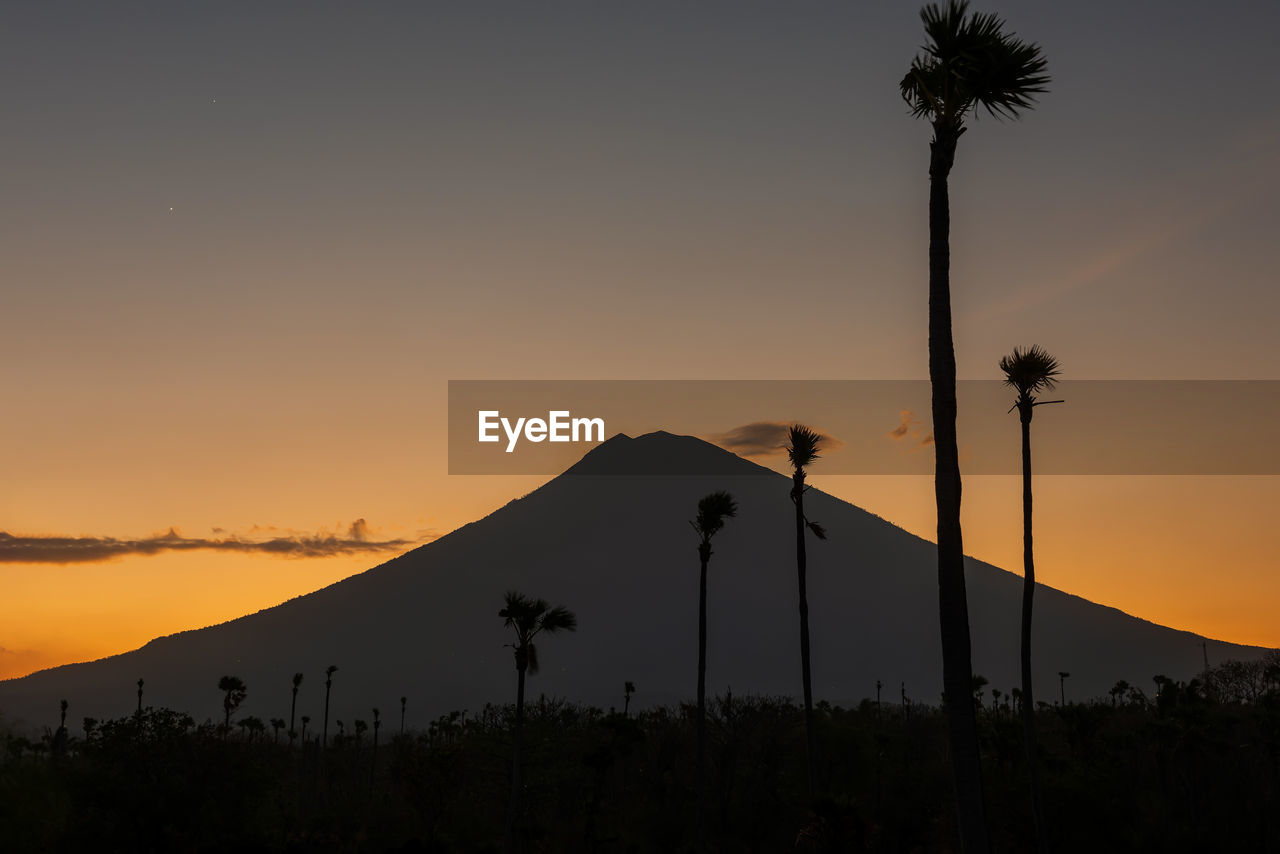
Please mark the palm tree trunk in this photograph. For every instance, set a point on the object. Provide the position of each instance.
(801, 568)
(516, 732)
(1028, 594)
(953, 606)
(324, 738)
(701, 722)
(293, 707)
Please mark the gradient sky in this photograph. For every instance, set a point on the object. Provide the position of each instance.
(244, 246)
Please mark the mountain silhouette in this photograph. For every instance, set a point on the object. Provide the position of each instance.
(610, 539)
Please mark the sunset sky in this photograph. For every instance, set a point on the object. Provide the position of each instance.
(245, 246)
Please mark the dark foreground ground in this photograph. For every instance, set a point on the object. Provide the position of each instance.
(1193, 768)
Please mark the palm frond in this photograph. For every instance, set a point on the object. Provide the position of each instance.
(1030, 371)
(969, 60)
(558, 619)
(818, 531)
(804, 446)
(713, 509)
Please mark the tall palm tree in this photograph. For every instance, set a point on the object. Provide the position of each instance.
(969, 61)
(628, 688)
(403, 701)
(802, 451)
(1029, 372)
(293, 705)
(234, 693)
(713, 510)
(328, 685)
(528, 617)
(139, 696)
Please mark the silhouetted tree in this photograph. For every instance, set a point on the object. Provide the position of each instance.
(234, 694)
(628, 688)
(713, 510)
(802, 450)
(1119, 691)
(277, 724)
(139, 696)
(968, 62)
(528, 617)
(328, 685)
(306, 719)
(403, 702)
(1062, 685)
(293, 704)
(1029, 372)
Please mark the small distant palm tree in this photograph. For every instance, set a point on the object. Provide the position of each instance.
(1119, 691)
(277, 724)
(628, 688)
(62, 720)
(1063, 676)
(528, 617)
(802, 451)
(139, 696)
(234, 693)
(969, 61)
(306, 719)
(403, 702)
(328, 685)
(293, 704)
(713, 510)
(1029, 372)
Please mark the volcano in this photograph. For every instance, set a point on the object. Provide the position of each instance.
(610, 539)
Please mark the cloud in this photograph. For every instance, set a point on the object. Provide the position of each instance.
(64, 550)
(906, 418)
(765, 438)
(909, 428)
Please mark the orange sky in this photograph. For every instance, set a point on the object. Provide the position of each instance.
(237, 275)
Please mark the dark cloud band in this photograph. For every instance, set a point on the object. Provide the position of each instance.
(64, 550)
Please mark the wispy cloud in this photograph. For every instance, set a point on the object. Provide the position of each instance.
(358, 538)
(765, 438)
(909, 427)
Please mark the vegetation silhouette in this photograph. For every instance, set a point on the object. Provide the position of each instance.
(1192, 770)
(628, 688)
(234, 693)
(1029, 372)
(293, 705)
(713, 510)
(969, 61)
(802, 450)
(139, 696)
(528, 618)
(328, 686)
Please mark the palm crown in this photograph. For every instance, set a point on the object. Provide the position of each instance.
(529, 617)
(713, 509)
(803, 449)
(969, 61)
(1030, 371)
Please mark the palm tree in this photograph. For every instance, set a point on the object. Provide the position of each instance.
(235, 692)
(802, 451)
(139, 696)
(328, 685)
(1062, 685)
(528, 617)
(306, 719)
(713, 510)
(277, 724)
(1029, 372)
(293, 705)
(968, 62)
(403, 701)
(628, 688)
